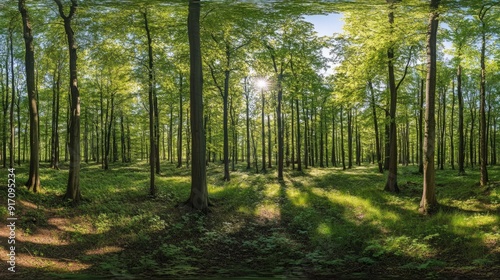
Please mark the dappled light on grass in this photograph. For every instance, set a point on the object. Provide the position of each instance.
(324, 229)
(37, 261)
(268, 212)
(325, 222)
(104, 250)
(298, 198)
(359, 209)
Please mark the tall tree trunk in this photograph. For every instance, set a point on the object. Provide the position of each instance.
(375, 124)
(12, 100)
(321, 138)
(234, 140)
(269, 148)
(334, 140)
(171, 135)
(428, 204)
(225, 100)
(306, 135)
(157, 131)
(342, 137)
(392, 178)
(152, 117)
(122, 139)
(349, 138)
(5, 109)
(34, 172)
(299, 159)
(198, 198)
(73, 187)
(483, 139)
(420, 129)
(247, 99)
(452, 121)
(179, 127)
(129, 151)
(85, 138)
(279, 119)
(107, 144)
(292, 124)
(263, 134)
(443, 130)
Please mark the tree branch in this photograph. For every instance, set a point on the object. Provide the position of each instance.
(406, 69)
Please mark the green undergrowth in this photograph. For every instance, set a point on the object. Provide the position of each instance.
(323, 222)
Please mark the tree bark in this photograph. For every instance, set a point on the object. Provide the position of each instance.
(263, 134)
(179, 127)
(342, 137)
(420, 129)
(375, 124)
(392, 178)
(429, 204)
(34, 171)
(247, 99)
(152, 117)
(12, 99)
(349, 138)
(299, 159)
(73, 187)
(483, 139)
(198, 198)
(452, 121)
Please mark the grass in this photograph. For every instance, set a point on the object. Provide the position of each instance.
(324, 222)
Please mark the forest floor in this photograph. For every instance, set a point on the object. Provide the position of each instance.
(322, 223)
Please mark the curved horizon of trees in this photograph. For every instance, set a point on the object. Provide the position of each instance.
(372, 100)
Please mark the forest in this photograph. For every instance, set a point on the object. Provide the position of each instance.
(219, 139)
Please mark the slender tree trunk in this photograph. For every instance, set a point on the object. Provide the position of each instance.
(306, 135)
(179, 127)
(129, 150)
(420, 128)
(171, 135)
(107, 143)
(342, 137)
(321, 139)
(73, 188)
(269, 148)
(483, 139)
(5, 109)
(443, 131)
(429, 204)
(263, 135)
(392, 178)
(334, 140)
(375, 124)
(85, 137)
(122, 139)
(279, 119)
(349, 138)
(292, 124)
(225, 118)
(198, 198)
(12, 150)
(247, 98)
(152, 117)
(299, 159)
(157, 131)
(452, 121)
(34, 172)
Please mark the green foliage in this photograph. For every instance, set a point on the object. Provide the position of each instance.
(323, 222)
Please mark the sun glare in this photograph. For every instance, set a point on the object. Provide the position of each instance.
(261, 84)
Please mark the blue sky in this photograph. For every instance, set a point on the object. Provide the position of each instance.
(326, 25)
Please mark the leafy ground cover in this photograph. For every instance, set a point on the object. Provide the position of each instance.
(323, 223)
